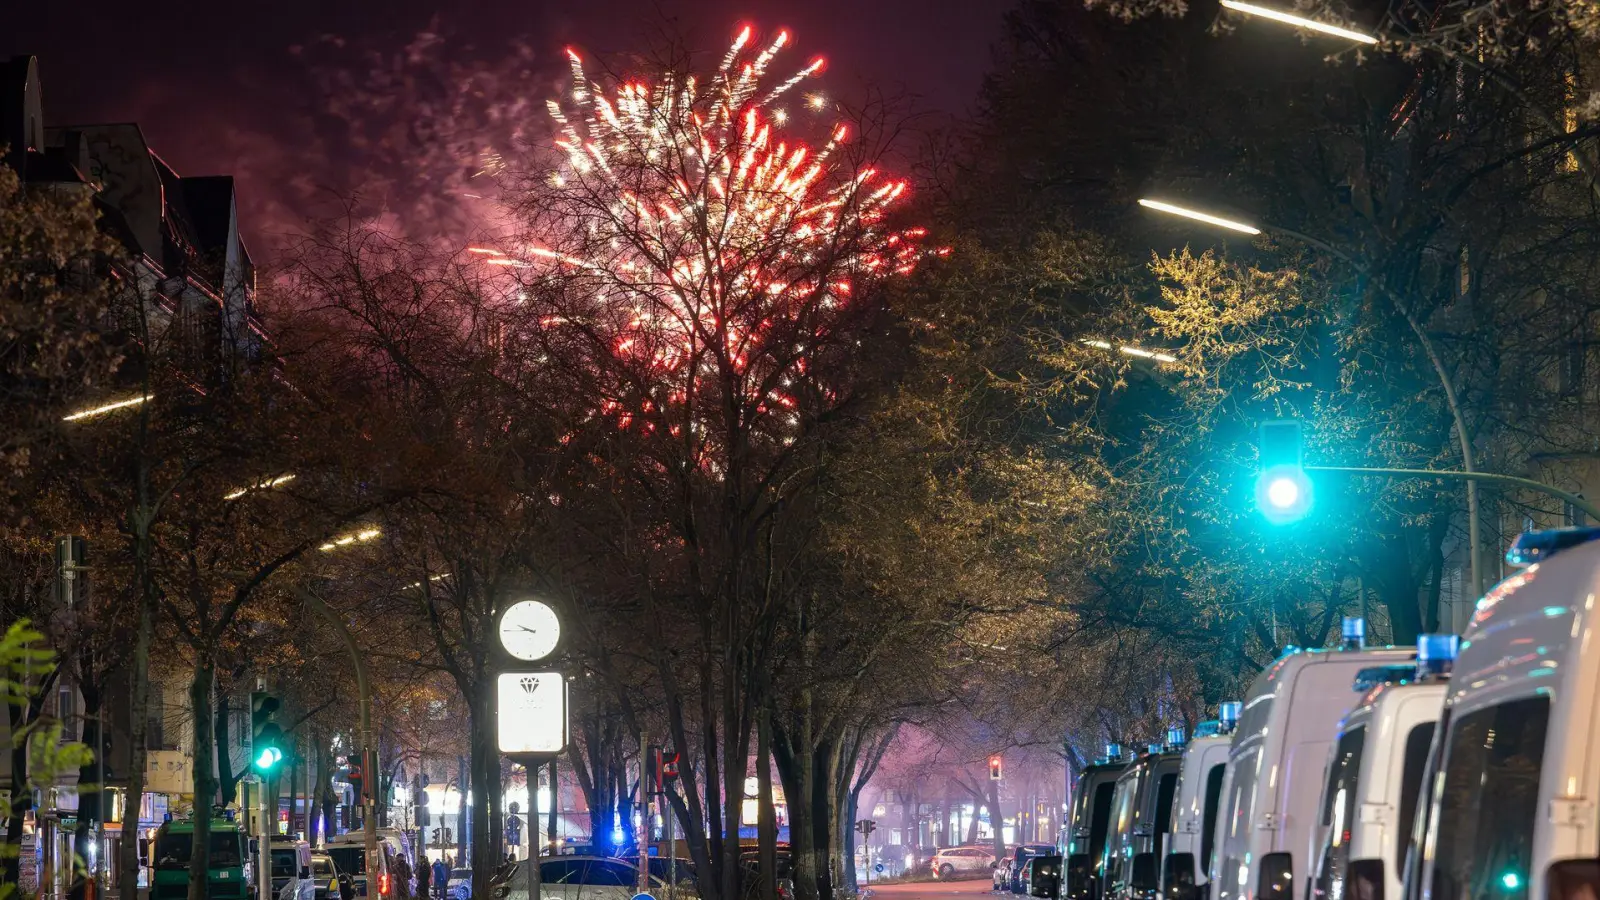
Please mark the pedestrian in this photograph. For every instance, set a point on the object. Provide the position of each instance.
(402, 877)
(441, 876)
(424, 874)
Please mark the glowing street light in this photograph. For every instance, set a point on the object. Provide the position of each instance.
(258, 486)
(1130, 350)
(359, 537)
(1299, 21)
(1187, 213)
(102, 410)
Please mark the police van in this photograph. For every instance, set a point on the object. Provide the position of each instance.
(1141, 809)
(1191, 841)
(1375, 775)
(1511, 805)
(1267, 835)
(1089, 824)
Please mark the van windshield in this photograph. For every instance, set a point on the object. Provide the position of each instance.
(1339, 814)
(1488, 800)
(350, 860)
(172, 850)
(283, 862)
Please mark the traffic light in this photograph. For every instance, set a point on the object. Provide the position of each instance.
(266, 738)
(994, 767)
(1283, 491)
(356, 777)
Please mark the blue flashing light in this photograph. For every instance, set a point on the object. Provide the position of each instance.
(1532, 546)
(1353, 628)
(1228, 714)
(1113, 752)
(166, 817)
(1175, 736)
(1284, 494)
(1208, 728)
(1436, 654)
(1372, 676)
(227, 815)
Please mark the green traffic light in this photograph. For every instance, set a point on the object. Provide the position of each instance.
(268, 758)
(1511, 881)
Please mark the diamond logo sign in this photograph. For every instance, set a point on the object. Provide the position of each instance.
(532, 712)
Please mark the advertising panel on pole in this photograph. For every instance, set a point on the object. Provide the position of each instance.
(532, 712)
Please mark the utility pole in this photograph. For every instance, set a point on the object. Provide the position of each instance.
(642, 833)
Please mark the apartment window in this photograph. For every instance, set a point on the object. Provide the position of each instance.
(67, 713)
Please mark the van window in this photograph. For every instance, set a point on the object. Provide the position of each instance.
(1339, 814)
(1236, 818)
(1122, 816)
(1100, 818)
(1488, 799)
(1416, 765)
(1165, 788)
(283, 862)
(1208, 822)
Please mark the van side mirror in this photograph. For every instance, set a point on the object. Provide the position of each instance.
(255, 845)
(305, 872)
(1277, 877)
(1364, 879)
(1177, 876)
(1144, 878)
(1573, 879)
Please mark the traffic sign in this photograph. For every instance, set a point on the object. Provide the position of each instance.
(532, 712)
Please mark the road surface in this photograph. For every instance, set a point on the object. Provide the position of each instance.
(969, 889)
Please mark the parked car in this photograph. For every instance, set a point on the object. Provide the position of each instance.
(962, 862)
(1019, 865)
(1002, 874)
(325, 875)
(590, 878)
(460, 885)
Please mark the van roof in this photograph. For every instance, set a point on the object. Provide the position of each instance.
(1521, 635)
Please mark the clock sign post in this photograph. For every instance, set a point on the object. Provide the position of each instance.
(531, 705)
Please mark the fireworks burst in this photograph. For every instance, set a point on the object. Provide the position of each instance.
(704, 240)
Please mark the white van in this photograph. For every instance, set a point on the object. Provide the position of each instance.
(1375, 776)
(1191, 842)
(1267, 840)
(291, 868)
(1511, 804)
(372, 878)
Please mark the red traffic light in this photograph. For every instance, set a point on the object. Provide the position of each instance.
(994, 767)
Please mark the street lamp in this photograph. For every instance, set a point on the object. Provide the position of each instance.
(1463, 439)
(1298, 21)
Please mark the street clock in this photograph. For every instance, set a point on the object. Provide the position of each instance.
(529, 630)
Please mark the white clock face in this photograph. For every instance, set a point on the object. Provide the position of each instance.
(529, 630)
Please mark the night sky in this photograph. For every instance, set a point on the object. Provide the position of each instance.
(231, 88)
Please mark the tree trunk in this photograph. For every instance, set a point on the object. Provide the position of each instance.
(139, 718)
(551, 815)
(319, 768)
(205, 783)
(90, 808)
(480, 704)
(767, 822)
(227, 783)
(997, 822)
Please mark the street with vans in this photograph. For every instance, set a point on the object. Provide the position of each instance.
(1458, 769)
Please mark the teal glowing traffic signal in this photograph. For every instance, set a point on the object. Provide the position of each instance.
(1283, 490)
(266, 738)
(268, 750)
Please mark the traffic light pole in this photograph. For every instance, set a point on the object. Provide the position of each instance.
(369, 772)
(1510, 480)
(263, 843)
